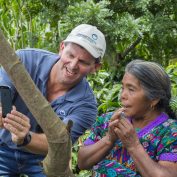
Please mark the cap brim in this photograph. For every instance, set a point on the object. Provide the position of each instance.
(84, 44)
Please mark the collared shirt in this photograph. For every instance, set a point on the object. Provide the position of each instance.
(78, 104)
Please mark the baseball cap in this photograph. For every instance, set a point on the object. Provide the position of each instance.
(90, 38)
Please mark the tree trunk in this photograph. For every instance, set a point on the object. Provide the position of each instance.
(56, 163)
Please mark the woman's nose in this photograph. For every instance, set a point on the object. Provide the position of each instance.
(123, 94)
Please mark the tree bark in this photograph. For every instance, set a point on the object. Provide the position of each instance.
(56, 163)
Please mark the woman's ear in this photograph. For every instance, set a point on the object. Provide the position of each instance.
(154, 103)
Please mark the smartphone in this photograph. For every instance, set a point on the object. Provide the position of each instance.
(122, 115)
(6, 100)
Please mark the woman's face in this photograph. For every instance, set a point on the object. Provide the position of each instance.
(133, 98)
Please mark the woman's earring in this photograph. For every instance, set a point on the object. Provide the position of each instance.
(152, 107)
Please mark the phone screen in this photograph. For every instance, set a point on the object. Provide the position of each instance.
(6, 100)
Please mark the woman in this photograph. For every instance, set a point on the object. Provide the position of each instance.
(139, 139)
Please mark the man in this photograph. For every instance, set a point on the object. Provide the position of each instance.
(61, 79)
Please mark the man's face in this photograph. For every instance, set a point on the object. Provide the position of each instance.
(75, 63)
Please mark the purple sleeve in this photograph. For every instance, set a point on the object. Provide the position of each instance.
(88, 141)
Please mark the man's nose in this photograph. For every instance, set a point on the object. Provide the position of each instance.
(74, 64)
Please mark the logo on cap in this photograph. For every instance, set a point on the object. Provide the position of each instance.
(94, 36)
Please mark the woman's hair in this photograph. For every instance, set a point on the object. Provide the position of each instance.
(155, 82)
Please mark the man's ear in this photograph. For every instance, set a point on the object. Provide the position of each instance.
(96, 68)
(62, 46)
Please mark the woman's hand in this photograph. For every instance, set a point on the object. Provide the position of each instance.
(127, 134)
(18, 124)
(112, 125)
(121, 128)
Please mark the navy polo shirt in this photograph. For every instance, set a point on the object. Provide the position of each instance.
(78, 104)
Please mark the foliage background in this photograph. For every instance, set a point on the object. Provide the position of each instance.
(134, 29)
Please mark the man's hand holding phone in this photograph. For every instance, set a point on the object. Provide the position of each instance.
(17, 123)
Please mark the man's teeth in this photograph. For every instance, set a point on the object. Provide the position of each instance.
(70, 72)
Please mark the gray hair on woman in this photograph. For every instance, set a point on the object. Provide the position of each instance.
(155, 82)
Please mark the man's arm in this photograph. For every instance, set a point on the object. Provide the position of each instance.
(38, 144)
(19, 126)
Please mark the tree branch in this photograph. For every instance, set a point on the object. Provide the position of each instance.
(129, 49)
(56, 163)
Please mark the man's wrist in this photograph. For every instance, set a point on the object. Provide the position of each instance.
(26, 141)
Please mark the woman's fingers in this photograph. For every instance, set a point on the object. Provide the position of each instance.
(117, 114)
